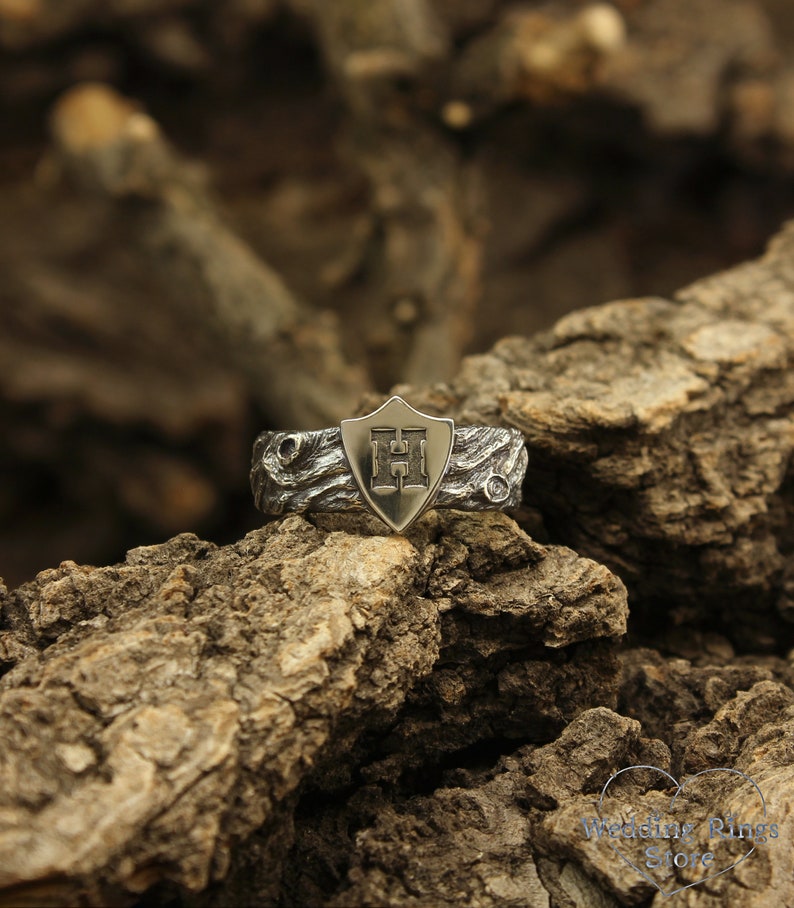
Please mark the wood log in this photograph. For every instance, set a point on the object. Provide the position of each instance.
(26, 23)
(318, 714)
(180, 699)
(312, 659)
(513, 834)
(660, 440)
(427, 231)
(290, 354)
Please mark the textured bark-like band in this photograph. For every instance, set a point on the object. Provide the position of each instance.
(308, 471)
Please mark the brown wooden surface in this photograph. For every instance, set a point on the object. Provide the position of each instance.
(218, 218)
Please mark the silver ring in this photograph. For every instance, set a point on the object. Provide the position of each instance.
(395, 462)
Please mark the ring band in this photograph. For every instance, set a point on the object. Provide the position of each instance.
(395, 462)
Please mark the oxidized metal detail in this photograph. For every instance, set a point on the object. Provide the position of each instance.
(396, 462)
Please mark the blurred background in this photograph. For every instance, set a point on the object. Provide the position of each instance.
(217, 217)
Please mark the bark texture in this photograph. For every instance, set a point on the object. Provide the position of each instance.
(224, 218)
(469, 842)
(660, 436)
(198, 687)
(249, 213)
(290, 354)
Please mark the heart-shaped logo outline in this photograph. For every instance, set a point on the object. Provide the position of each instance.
(679, 788)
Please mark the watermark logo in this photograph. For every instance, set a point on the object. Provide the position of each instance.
(679, 838)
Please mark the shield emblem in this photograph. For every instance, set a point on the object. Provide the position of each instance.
(398, 457)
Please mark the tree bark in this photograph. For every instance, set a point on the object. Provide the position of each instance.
(319, 714)
(660, 440)
(289, 354)
(182, 698)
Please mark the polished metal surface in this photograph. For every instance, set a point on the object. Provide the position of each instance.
(398, 457)
(396, 462)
